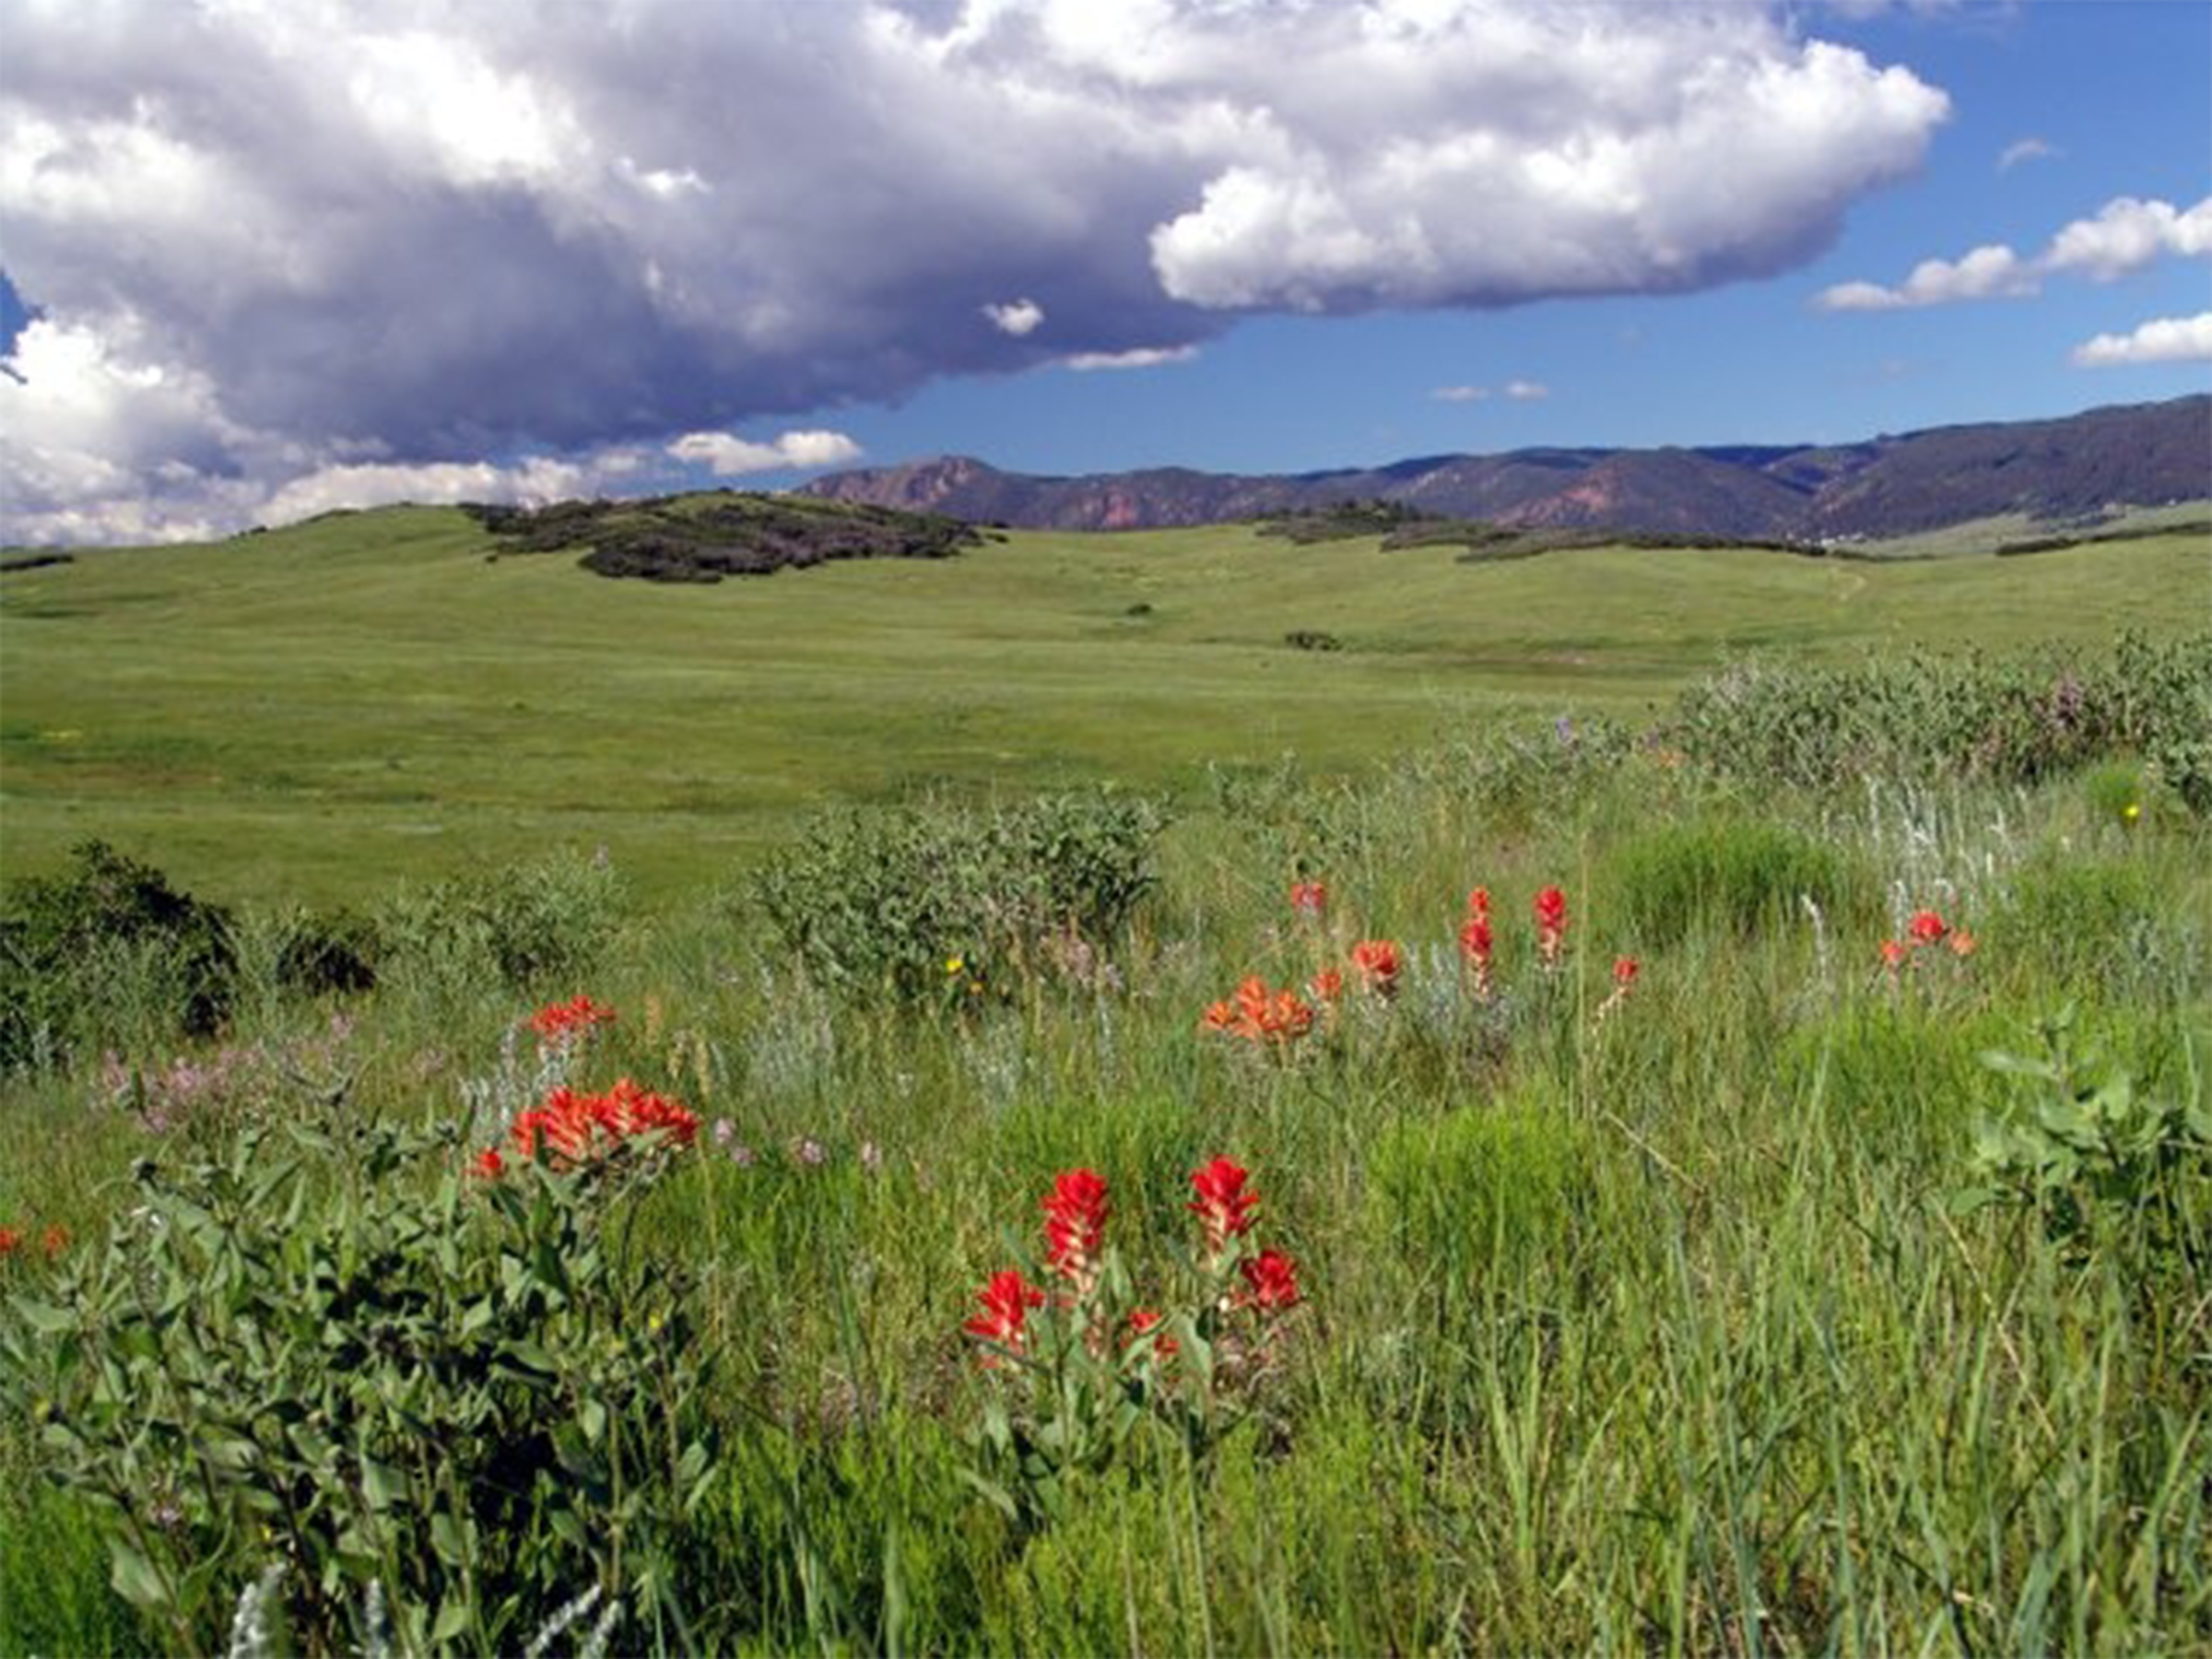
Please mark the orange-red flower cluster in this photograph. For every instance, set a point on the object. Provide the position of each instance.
(1475, 944)
(1309, 899)
(1259, 1015)
(577, 1128)
(1006, 1301)
(1222, 1206)
(1074, 1226)
(52, 1241)
(1551, 926)
(1271, 1280)
(562, 1021)
(1924, 930)
(1377, 963)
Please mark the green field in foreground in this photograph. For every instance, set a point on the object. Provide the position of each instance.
(319, 709)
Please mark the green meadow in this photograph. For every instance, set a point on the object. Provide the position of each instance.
(1796, 1245)
(369, 696)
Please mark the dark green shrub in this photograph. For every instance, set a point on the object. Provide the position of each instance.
(349, 1356)
(892, 900)
(67, 942)
(321, 955)
(1735, 875)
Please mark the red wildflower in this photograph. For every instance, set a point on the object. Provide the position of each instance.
(1377, 963)
(1328, 985)
(1223, 1206)
(11, 1241)
(573, 1127)
(1257, 1013)
(1271, 1278)
(1309, 899)
(54, 1240)
(1625, 970)
(1961, 942)
(1006, 1301)
(1474, 941)
(1145, 1320)
(557, 1022)
(489, 1165)
(1927, 928)
(1893, 955)
(1551, 926)
(1075, 1224)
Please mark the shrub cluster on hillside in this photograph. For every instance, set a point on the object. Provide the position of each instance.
(695, 539)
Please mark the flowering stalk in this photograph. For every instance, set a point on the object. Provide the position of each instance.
(1476, 944)
(1551, 928)
(1625, 970)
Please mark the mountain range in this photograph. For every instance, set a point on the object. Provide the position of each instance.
(2139, 454)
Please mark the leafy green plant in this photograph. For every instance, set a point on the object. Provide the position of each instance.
(910, 900)
(1081, 1369)
(334, 1345)
(2094, 1154)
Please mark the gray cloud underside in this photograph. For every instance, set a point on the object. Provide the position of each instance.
(281, 237)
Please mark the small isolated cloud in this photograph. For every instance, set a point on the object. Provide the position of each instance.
(1015, 317)
(1144, 357)
(1525, 391)
(1986, 273)
(2031, 148)
(726, 455)
(2127, 235)
(2162, 340)
(2124, 235)
(1460, 394)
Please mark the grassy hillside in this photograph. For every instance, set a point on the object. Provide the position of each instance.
(1648, 1254)
(338, 704)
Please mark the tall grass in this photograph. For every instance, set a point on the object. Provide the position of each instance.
(1661, 1333)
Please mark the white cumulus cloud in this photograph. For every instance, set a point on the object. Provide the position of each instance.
(2162, 340)
(285, 239)
(2123, 236)
(726, 455)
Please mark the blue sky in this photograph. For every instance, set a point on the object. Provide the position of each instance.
(270, 258)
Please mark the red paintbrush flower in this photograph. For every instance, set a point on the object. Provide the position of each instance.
(1006, 1301)
(1074, 1226)
(1271, 1279)
(1223, 1206)
(1377, 963)
(1551, 926)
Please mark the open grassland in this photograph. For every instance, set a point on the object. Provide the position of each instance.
(1835, 1282)
(311, 709)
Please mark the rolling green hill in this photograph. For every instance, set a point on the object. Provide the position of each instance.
(328, 707)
